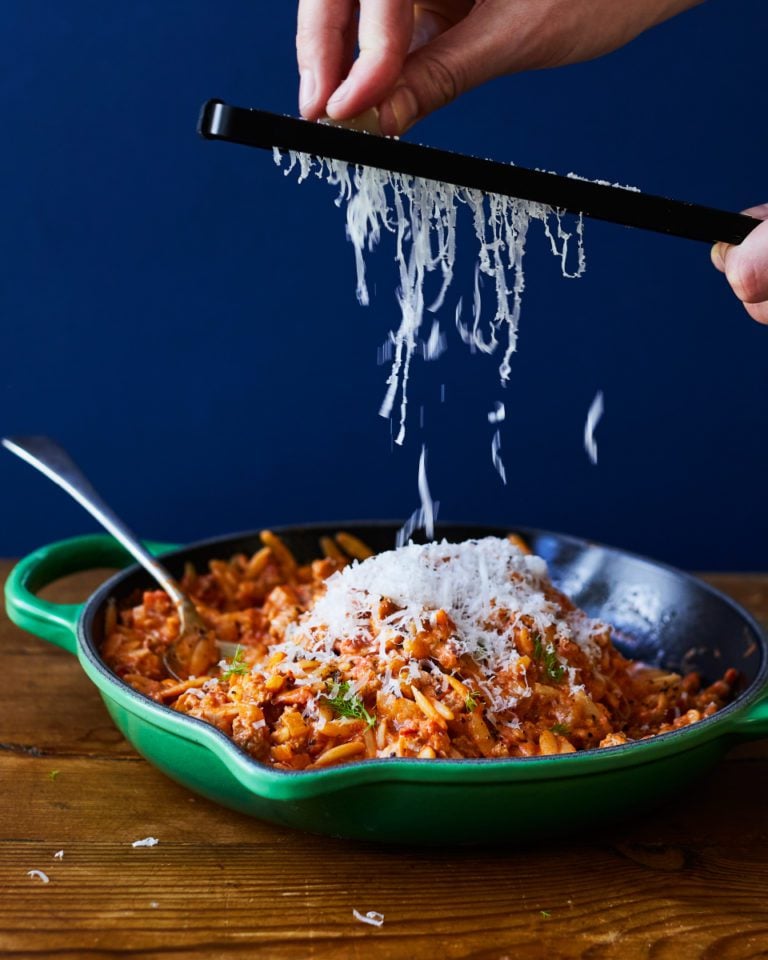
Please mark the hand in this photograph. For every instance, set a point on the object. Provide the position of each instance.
(746, 266)
(416, 57)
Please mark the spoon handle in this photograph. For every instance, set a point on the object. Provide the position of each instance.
(52, 460)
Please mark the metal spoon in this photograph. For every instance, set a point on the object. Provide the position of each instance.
(53, 461)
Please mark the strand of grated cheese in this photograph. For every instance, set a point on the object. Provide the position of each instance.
(423, 518)
(496, 456)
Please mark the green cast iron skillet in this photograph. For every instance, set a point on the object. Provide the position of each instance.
(662, 616)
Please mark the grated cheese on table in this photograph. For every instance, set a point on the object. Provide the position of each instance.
(146, 842)
(372, 917)
(39, 874)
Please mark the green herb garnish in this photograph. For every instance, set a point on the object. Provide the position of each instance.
(548, 660)
(237, 665)
(562, 728)
(545, 913)
(345, 704)
(470, 703)
(53, 774)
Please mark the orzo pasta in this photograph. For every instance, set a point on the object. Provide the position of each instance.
(440, 650)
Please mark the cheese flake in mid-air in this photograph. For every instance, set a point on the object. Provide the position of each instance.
(498, 413)
(594, 416)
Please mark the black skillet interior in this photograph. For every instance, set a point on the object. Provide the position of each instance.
(661, 616)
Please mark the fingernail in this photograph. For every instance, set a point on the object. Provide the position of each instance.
(718, 256)
(306, 89)
(340, 93)
(399, 112)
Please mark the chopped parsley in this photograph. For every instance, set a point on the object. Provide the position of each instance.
(237, 665)
(562, 728)
(545, 914)
(470, 703)
(547, 657)
(53, 774)
(345, 704)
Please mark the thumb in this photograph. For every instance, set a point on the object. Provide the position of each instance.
(720, 251)
(459, 59)
(746, 264)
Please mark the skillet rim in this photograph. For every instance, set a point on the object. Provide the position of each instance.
(718, 726)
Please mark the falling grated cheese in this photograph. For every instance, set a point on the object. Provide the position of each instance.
(435, 345)
(498, 413)
(373, 918)
(59, 855)
(39, 874)
(593, 418)
(422, 217)
(424, 517)
(496, 456)
(146, 842)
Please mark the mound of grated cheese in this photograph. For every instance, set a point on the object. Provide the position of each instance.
(487, 587)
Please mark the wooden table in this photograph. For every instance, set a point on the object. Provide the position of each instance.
(688, 881)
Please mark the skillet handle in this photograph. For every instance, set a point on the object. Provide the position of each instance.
(753, 723)
(57, 622)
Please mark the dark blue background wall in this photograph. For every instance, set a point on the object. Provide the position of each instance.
(183, 318)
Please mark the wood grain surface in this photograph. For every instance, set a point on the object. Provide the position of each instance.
(687, 881)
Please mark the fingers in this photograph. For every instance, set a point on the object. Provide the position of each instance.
(746, 267)
(460, 58)
(384, 35)
(433, 17)
(426, 26)
(760, 211)
(325, 38)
